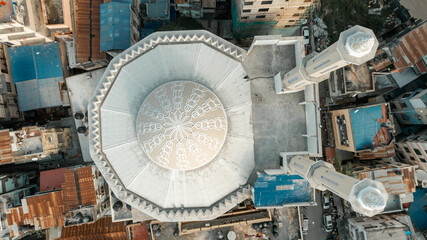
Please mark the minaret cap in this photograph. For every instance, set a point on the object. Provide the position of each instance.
(359, 44)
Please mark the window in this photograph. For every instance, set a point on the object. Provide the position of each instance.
(404, 117)
(417, 151)
(407, 150)
(412, 158)
(291, 20)
(266, 2)
(263, 10)
(296, 15)
(393, 106)
(425, 151)
(249, 3)
(403, 105)
(423, 160)
(246, 17)
(9, 87)
(260, 16)
(246, 10)
(301, 8)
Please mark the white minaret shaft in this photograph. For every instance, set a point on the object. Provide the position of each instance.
(356, 45)
(368, 197)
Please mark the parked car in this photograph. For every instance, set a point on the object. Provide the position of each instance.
(327, 221)
(326, 202)
(306, 35)
(305, 226)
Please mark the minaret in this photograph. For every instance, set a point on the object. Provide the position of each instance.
(356, 45)
(367, 197)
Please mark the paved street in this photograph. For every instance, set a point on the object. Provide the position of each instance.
(315, 219)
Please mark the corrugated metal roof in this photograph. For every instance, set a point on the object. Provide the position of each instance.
(87, 22)
(35, 62)
(39, 93)
(52, 179)
(115, 26)
(5, 147)
(102, 229)
(87, 187)
(277, 190)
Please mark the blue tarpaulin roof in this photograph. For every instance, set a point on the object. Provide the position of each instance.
(278, 190)
(35, 62)
(365, 125)
(417, 209)
(39, 93)
(115, 26)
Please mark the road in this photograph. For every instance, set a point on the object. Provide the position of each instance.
(315, 219)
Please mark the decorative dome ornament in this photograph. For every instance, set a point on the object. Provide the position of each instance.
(170, 126)
(181, 125)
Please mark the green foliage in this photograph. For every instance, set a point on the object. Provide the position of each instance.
(338, 14)
(182, 23)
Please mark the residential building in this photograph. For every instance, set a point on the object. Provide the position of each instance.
(33, 143)
(406, 49)
(115, 26)
(81, 199)
(13, 181)
(413, 149)
(366, 131)
(287, 14)
(378, 227)
(37, 73)
(410, 108)
(87, 33)
(190, 8)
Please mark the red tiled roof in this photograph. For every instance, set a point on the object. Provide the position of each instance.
(87, 187)
(139, 232)
(52, 179)
(69, 189)
(103, 229)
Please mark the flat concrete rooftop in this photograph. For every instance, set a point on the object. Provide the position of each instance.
(278, 121)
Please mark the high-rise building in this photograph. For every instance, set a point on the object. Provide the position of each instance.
(287, 13)
(413, 149)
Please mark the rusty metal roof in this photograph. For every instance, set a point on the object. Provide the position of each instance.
(102, 229)
(5, 147)
(87, 187)
(405, 51)
(396, 178)
(88, 30)
(15, 218)
(52, 179)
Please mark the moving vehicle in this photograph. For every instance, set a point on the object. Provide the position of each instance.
(327, 221)
(326, 203)
(306, 35)
(305, 226)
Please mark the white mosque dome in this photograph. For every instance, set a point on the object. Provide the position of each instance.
(170, 126)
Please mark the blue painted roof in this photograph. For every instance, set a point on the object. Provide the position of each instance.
(157, 10)
(115, 26)
(35, 62)
(39, 93)
(278, 190)
(365, 125)
(124, 1)
(417, 209)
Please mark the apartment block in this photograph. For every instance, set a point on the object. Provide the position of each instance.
(413, 149)
(287, 13)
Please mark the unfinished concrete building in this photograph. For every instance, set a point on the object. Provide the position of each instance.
(288, 13)
(413, 149)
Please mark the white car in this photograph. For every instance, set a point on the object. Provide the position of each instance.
(305, 226)
(326, 203)
(306, 35)
(327, 221)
